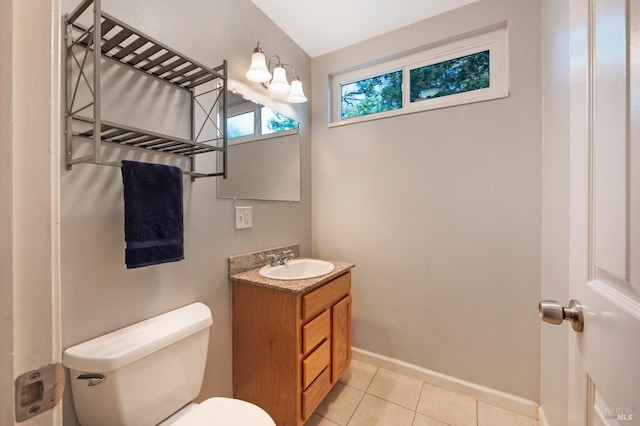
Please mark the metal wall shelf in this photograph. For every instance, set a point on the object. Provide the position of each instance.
(129, 47)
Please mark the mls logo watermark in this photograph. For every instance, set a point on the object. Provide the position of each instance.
(619, 413)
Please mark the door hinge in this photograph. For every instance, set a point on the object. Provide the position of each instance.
(38, 391)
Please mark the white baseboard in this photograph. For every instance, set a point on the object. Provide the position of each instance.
(490, 396)
(542, 418)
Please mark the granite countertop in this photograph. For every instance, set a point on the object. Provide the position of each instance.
(293, 286)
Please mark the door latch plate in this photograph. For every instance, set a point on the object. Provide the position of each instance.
(38, 391)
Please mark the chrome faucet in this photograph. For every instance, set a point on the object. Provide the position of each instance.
(276, 260)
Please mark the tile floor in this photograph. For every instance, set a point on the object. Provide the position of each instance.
(367, 396)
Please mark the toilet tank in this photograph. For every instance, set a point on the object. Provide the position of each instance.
(140, 374)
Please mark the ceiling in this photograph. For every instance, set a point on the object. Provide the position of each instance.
(322, 26)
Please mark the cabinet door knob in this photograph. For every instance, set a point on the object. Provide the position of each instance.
(553, 313)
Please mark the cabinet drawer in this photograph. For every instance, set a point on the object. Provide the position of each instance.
(318, 300)
(315, 332)
(313, 396)
(313, 365)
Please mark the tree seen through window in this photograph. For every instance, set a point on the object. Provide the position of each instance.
(371, 95)
(446, 78)
(384, 92)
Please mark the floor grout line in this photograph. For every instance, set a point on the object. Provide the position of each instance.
(415, 414)
(372, 379)
(356, 409)
(363, 394)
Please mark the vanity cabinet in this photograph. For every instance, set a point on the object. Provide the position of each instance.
(289, 348)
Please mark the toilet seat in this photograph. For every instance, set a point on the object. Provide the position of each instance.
(225, 411)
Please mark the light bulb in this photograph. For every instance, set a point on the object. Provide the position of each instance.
(296, 95)
(279, 85)
(258, 71)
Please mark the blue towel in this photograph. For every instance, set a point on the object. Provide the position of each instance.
(153, 217)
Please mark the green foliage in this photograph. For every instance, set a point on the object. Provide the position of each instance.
(384, 92)
(372, 95)
(458, 75)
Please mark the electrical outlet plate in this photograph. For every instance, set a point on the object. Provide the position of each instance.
(244, 217)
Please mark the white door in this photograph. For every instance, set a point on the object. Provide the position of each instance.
(29, 231)
(604, 377)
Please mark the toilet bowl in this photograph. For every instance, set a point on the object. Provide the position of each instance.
(222, 411)
(149, 373)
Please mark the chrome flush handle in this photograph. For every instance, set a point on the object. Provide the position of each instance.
(93, 379)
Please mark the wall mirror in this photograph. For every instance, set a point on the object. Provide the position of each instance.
(263, 153)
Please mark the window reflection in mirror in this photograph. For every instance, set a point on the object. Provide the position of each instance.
(240, 125)
(263, 153)
(273, 122)
(246, 118)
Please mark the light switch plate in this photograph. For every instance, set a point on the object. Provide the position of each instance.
(244, 217)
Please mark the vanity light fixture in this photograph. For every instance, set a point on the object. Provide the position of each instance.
(277, 82)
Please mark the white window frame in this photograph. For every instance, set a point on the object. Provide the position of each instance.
(495, 41)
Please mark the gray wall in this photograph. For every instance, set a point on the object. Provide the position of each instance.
(98, 294)
(440, 210)
(555, 205)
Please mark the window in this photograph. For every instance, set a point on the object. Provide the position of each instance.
(459, 75)
(469, 70)
(257, 122)
(371, 95)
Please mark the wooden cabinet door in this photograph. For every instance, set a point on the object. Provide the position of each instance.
(341, 337)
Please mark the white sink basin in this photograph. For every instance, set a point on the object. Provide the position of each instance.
(297, 269)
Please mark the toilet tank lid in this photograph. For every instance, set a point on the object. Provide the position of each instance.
(121, 347)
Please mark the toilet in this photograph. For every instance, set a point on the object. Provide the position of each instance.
(149, 373)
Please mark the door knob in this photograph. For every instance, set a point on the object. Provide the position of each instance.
(553, 313)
